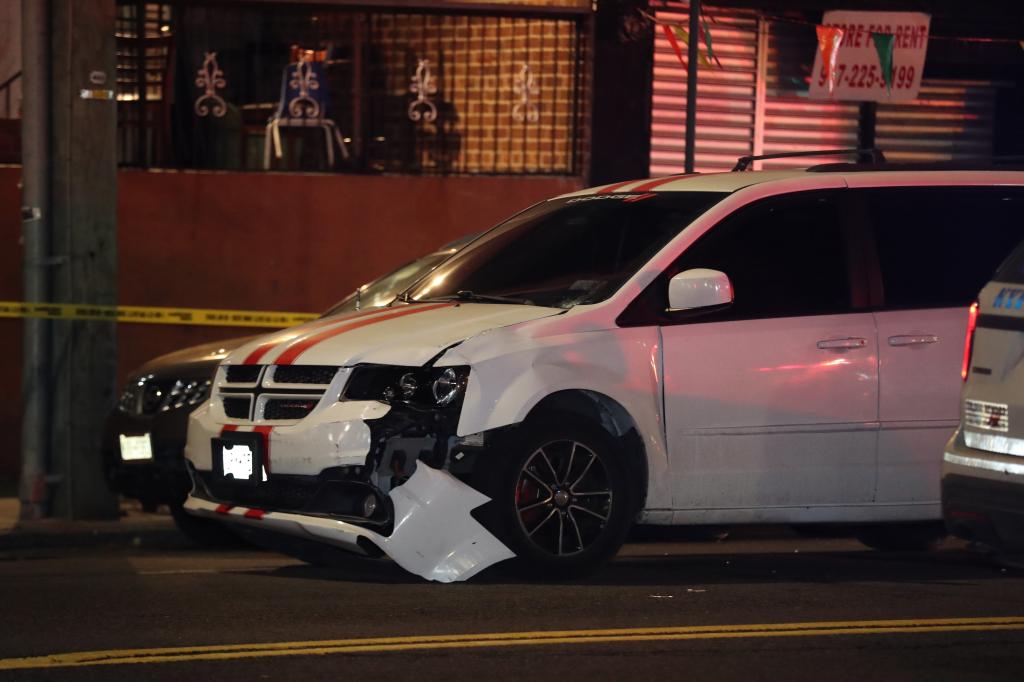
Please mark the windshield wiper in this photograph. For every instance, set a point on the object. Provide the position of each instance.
(471, 297)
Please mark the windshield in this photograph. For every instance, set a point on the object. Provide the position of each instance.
(566, 252)
(383, 290)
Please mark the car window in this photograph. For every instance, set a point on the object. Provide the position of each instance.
(566, 252)
(785, 256)
(383, 290)
(938, 246)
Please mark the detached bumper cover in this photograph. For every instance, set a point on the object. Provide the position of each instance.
(434, 535)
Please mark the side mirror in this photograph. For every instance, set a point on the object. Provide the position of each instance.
(699, 288)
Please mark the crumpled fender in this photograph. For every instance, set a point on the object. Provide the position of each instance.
(434, 535)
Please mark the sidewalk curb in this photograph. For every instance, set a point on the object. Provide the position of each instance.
(72, 535)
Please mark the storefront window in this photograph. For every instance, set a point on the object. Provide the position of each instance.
(306, 88)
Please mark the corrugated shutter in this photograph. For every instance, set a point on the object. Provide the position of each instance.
(725, 96)
(794, 123)
(950, 120)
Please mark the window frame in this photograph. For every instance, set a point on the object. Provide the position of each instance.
(859, 209)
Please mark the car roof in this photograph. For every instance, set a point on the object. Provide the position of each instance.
(733, 181)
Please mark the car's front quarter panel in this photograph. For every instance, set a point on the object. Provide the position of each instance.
(514, 369)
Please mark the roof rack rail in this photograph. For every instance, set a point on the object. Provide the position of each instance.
(973, 163)
(873, 154)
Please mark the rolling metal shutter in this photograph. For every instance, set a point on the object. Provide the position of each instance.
(758, 104)
(794, 123)
(949, 120)
(726, 97)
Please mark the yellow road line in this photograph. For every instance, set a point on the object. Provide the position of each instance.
(503, 639)
(154, 314)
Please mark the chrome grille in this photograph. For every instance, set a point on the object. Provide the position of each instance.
(275, 392)
(149, 395)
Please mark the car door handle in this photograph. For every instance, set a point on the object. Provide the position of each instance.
(832, 344)
(912, 339)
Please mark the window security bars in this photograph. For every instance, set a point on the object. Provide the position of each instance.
(403, 91)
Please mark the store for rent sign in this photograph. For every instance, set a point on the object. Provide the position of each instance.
(873, 56)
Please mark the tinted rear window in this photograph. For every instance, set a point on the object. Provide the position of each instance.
(938, 246)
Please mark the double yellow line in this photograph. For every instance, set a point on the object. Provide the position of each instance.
(504, 639)
(153, 315)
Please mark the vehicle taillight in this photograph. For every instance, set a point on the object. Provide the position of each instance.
(972, 322)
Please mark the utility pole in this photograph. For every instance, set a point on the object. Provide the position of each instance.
(36, 219)
(78, 261)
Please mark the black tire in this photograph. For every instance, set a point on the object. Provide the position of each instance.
(902, 537)
(560, 498)
(204, 532)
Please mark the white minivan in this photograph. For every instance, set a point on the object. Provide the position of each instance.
(746, 347)
(983, 468)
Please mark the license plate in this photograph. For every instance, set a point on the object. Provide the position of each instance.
(988, 416)
(239, 458)
(136, 448)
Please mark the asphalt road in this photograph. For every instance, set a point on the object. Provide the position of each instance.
(753, 607)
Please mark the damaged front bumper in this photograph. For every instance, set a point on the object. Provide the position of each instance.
(433, 535)
(379, 484)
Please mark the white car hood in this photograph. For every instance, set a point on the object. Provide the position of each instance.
(403, 335)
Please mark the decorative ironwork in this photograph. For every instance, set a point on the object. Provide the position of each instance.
(423, 85)
(304, 80)
(210, 78)
(524, 85)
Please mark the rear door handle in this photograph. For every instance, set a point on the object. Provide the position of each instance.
(912, 339)
(832, 344)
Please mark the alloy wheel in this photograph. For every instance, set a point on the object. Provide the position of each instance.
(563, 497)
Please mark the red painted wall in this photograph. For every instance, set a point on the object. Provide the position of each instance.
(256, 241)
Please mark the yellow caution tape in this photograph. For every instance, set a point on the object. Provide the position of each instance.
(153, 315)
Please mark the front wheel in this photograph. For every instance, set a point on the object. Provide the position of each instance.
(560, 497)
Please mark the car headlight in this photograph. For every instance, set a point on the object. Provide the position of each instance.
(447, 387)
(419, 386)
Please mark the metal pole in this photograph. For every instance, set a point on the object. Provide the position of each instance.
(35, 216)
(866, 128)
(691, 85)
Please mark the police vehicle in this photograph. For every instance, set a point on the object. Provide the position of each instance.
(983, 467)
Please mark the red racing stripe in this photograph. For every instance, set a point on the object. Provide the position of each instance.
(611, 188)
(639, 197)
(228, 427)
(254, 514)
(651, 184)
(297, 348)
(264, 431)
(223, 508)
(256, 355)
(261, 350)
